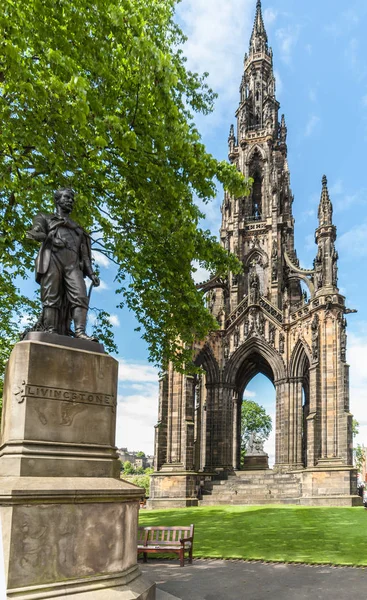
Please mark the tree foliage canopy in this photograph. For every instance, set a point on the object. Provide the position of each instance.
(254, 420)
(359, 457)
(96, 96)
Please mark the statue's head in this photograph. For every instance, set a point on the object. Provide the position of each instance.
(64, 198)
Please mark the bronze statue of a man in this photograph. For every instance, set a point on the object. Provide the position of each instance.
(61, 265)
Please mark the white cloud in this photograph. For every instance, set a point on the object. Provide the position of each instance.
(26, 320)
(279, 83)
(102, 287)
(287, 38)
(269, 445)
(336, 188)
(249, 394)
(92, 318)
(114, 320)
(137, 372)
(217, 41)
(354, 57)
(200, 274)
(269, 16)
(311, 125)
(136, 416)
(354, 241)
(101, 259)
(357, 358)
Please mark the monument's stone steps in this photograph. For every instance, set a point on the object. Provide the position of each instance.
(261, 487)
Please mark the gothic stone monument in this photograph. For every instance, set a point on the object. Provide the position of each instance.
(268, 325)
(69, 524)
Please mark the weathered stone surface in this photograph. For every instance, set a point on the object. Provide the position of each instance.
(69, 526)
(70, 531)
(59, 412)
(260, 461)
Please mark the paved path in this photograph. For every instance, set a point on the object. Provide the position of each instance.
(238, 580)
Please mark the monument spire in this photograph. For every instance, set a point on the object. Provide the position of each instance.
(325, 213)
(326, 261)
(259, 38)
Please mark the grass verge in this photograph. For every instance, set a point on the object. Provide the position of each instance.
(310, 535)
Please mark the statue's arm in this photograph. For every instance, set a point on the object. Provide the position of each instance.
(39, 229)
(87, 260)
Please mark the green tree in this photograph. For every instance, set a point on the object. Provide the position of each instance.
(359, 457)
(355, 427)
(128, 468)
(97, 96)
(140, 454)
(254, 420)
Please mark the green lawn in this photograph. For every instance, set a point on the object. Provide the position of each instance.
(271, 533)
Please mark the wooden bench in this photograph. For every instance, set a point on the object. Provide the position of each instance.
(179, 540)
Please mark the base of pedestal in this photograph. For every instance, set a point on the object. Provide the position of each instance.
(256, 462)
(71, 538)
(129, 585)
(174, 489)
(333, 486)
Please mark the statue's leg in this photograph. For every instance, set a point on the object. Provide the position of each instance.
(51, 319)
(51, 285)
(80, 322)
(77, 296)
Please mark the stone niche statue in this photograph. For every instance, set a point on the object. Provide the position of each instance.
(255, 446)
(254, 287)
(63, 262)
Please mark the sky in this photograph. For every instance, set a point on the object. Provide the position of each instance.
(319, 61)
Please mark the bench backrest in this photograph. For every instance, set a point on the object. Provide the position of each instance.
(161, 536)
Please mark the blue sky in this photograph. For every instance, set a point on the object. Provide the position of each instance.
(319, 60)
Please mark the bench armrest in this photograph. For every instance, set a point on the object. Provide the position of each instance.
(188, 539)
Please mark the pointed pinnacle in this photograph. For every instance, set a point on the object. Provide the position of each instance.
(325, 212)
(259, 27)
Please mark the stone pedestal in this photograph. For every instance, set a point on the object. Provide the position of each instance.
(333, 486)
(69, 523)
(177, 489)
(255, 462)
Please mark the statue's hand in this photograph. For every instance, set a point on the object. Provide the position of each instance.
(95, 280)
(35, 235)
(57, 243)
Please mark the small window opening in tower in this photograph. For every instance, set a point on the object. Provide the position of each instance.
(305, 293)
(256, 196)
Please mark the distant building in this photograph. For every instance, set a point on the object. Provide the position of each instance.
(137, 461)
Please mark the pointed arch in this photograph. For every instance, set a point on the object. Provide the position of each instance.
(256, 355)
(300, 360)
(251, 255)
(256, 149)
(206, 359)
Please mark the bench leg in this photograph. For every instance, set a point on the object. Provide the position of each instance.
(182, 557)
(190, 556)
(145, 555)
